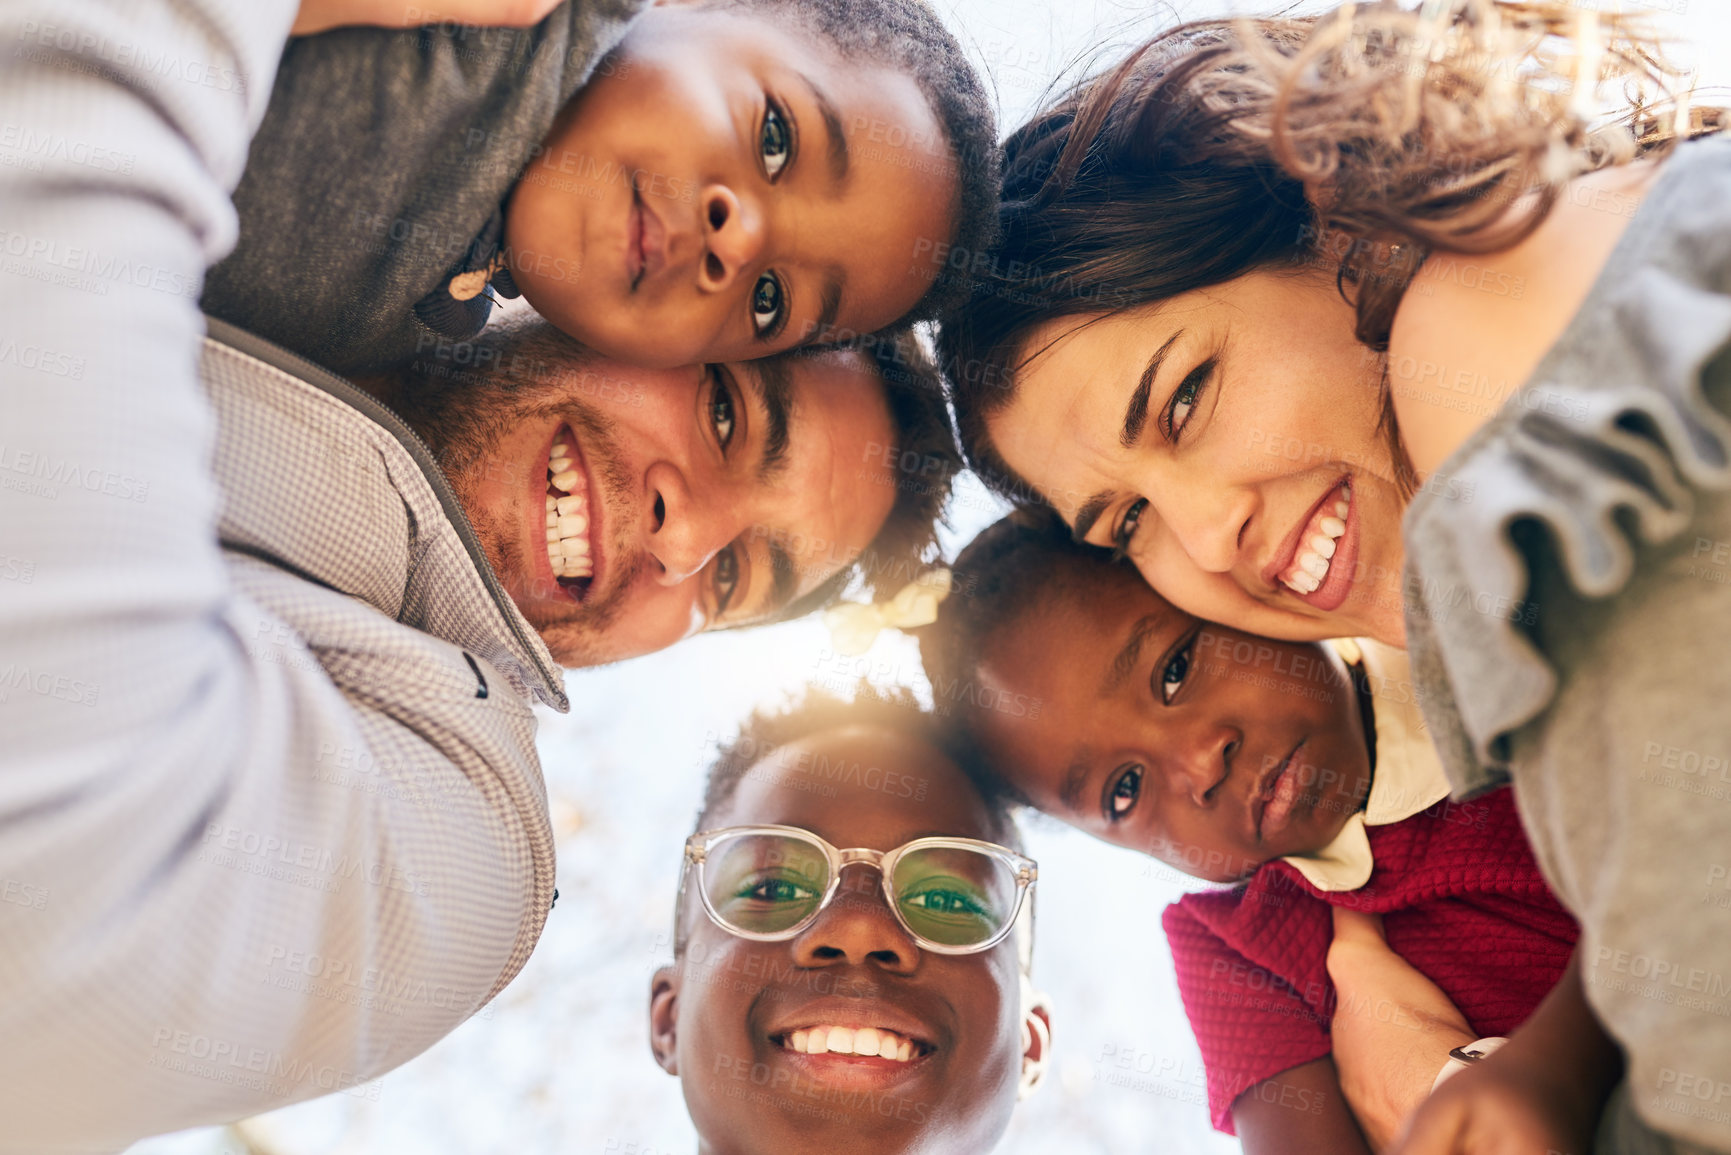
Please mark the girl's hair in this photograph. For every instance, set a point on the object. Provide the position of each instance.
(1355, 141)
(1011, 566)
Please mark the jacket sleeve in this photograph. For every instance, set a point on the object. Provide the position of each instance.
(1250, 1023)
(190, 917)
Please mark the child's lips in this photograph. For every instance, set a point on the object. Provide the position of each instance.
(645, 242)
(1276, 797)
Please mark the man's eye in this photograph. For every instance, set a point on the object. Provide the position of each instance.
(774, 142)
(721, 412)
(726, 578)
(1126, 531)
(1176, 670)
(1124, 793)
(767, 305)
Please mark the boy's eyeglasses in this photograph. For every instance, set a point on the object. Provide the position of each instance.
(768, 883)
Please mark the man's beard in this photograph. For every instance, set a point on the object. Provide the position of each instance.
(464, 423)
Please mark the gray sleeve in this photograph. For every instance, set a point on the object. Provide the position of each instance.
(148, 753)
(1570, 621)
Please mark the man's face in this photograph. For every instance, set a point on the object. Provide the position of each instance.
(724, 188)
(723, 1018)
(1212, 750)
(685, 499)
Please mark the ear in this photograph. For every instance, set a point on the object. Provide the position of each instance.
(1036, 1042)
(664, 1018)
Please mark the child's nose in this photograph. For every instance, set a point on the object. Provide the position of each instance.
(733, 237)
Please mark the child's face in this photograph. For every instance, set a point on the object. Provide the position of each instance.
(1209, 749)
(724, 188)
(722, 1017)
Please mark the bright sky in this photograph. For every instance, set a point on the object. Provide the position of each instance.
(560, 1063)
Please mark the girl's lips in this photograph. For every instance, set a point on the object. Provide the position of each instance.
(1277, 797)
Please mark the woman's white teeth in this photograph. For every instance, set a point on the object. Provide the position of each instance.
(869, 1041)
(1310, 568)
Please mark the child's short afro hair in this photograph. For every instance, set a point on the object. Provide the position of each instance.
(908, 36)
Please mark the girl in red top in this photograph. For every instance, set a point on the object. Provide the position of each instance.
(1276, 766)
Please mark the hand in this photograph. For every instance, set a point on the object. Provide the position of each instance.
(1393, 1028)
(320, 15)
(1540, 1094)
(1500, 1107)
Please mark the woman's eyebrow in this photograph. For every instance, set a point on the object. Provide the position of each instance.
(772, 381)
(1136, 412)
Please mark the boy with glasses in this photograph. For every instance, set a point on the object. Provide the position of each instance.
(852, 944)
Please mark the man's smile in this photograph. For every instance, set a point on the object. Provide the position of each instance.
(572, 518)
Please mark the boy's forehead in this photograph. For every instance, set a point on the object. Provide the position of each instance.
(860, 786)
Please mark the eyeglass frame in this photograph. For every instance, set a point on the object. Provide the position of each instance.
(697, 848)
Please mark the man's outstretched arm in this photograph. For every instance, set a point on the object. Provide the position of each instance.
(192, 926)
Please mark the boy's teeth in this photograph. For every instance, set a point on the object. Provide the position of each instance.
(869, 1041)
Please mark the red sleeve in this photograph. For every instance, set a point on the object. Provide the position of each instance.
(1251, 1023)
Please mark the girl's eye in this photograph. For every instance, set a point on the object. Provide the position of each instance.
(1125, 791)
(721, 412)
(1173, 675)
(1126, 531)
(774, 142)
(1184, 399)
(726, 578)
(766, 305)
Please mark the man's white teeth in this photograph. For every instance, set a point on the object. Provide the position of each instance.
(1310, 568)
(870, 1041)
(567, 519)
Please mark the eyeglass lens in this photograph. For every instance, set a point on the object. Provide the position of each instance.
(769, 883)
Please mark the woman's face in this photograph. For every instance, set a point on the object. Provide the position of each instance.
(1228, 441)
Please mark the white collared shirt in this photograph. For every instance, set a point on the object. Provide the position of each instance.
(1408, 777)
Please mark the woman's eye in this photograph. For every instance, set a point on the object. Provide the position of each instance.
(726, 578)
(1172, 677)
(774, 142)
(1126, 531)
(766, 305)
(1184, 399)
(721, 412)
(1124, 793)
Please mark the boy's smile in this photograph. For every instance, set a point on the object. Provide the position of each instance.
(724, 188)
(1212, 750)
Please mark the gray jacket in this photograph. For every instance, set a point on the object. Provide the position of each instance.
(271, 820)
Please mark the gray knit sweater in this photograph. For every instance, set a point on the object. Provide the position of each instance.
(383, 157)
(1569, 621)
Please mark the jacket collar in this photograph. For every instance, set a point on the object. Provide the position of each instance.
(335, 487)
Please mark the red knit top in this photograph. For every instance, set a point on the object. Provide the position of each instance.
(1462, 900)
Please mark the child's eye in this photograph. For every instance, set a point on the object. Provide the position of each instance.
(774, 142)
(767, 308)
(1126, 531)
(721, 411)
(1126, 789)
(726, 579)
(1172, 675)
